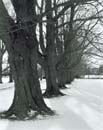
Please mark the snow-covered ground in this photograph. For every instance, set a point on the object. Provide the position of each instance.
(92, 76)
(80, 109)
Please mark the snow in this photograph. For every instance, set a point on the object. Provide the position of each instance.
(92, 76)
(80, 109)
(5, 79)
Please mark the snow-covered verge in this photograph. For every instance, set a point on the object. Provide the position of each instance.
(92, 76)
(80, 109)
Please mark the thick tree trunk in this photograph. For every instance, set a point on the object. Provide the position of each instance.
(61, 79)
(22, 49)
(52, 89)
(70, 77)
(28, 95)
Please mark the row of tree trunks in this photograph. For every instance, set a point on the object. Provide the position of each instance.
(63, 48)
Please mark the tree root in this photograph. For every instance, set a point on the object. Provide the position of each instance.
(51, 94)
(62, 86)
(13, 117)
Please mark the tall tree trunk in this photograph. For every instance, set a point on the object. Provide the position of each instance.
(28, 95)
(59, 51)
(61, 79)
(52, 89)
(22, 48)
(51, 78)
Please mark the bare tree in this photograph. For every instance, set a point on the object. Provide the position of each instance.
(22, 48)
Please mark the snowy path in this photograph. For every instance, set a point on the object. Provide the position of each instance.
(81, 109)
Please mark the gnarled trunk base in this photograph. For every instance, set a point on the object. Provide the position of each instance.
(52, 89)
(27, 98)
(62, 86)
(51, 93)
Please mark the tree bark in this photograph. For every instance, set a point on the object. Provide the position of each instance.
(52, 89)
(28, 95)
(61, 74)
(22, 48)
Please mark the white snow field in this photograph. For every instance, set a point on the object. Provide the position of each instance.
(80, 109)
